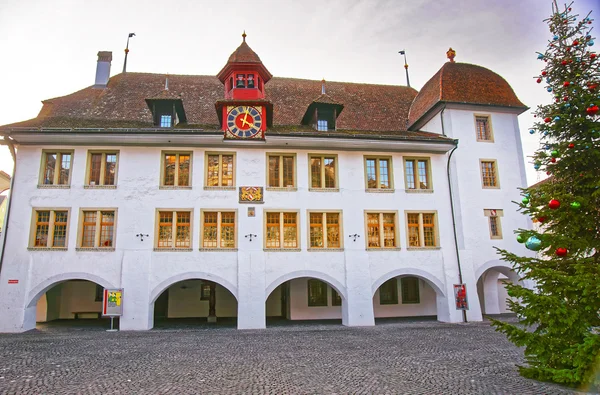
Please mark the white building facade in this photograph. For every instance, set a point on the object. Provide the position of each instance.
(319, 217)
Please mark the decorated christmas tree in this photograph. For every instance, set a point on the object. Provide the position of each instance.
(559, 321)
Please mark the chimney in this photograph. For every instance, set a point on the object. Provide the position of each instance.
(103, 69)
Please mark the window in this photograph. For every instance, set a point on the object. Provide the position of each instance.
(99, 293)
(281, 172)
(281, 230)
(322, 125)
(205, 292)
(56, 168)
(176, 169)
(417, 174)
(250, 81)
(218, 229)
(489, 173)
(421, 230)
(323, 171)
(220, 170)
(165, 121)
(324, 230)
(482, 124)
(174, 229)
(494, 222)
(97, 228)
(410, 290)
(239, 81)
(388, 292)
(336, 299)
(50, 228)
(102, 168)
(317, 293)
(381, 230)
(378, 173)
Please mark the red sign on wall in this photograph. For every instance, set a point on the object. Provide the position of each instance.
(13, 281)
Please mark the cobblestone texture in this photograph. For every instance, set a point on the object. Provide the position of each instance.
(424, 357)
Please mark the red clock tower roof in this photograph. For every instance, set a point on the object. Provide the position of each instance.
(246, 59)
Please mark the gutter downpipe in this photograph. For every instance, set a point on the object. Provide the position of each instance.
(460, 277)
(8, 142)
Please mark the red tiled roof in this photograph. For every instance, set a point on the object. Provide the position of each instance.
(463, 83)
(244, 54)
(367, 107)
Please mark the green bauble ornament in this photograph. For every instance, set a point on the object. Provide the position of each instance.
(521, 239)
(554, 153)
(575, 205)
(525, 200)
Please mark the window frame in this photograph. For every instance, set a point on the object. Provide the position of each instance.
(417, 188)
(402, 287)
(324, 229)
(219, 212)
(174, 212)
(381, 229)
(377, 159)
(436, 230)
(281, 155)
(175, 185)
(56, 175)
(203, 286)
(496, 173)
(97, 230)
(337, 172)
(281, 230)
(99, 293)
(51, 228)
(489, 128)
(335, 296)
(395, 299)
(499, 214)
(220, 154)
(88, 168)
(321, 303)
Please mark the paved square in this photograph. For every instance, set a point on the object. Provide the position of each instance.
(424, 357)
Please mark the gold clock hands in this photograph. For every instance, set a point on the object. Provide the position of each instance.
(245, 115)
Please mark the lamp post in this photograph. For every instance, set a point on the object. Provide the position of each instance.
(403, 52)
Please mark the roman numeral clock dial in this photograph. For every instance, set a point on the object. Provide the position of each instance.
(244, 122)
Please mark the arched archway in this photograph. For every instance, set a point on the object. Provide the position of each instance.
(491, 278)
(408, 292)
(305, 295)
(193, 298)
(67, 296)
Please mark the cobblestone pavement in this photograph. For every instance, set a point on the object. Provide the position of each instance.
(422, 357)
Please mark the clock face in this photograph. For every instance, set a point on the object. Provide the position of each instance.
(244, 121)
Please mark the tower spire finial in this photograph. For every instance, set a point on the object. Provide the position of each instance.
(244, 35)
(451, 54)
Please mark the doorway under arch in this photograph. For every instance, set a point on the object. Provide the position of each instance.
(491, 289)
(195, 302)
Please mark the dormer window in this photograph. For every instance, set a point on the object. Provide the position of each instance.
(165, 121)
(322, 125)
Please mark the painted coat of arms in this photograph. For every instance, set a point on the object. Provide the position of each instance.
(251, 195)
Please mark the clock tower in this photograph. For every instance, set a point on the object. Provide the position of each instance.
(244, 113)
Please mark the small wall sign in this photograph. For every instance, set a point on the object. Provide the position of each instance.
(112, 305)
(460, 296)
(251, 212)
(13, 281)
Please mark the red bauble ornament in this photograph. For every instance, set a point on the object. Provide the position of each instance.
(554, 204)
(548, 173)
(566, 98)
(592, 110)
(592, 56)
(564, 62)
(592, 86)
(556, 100)
(539, 80)
(575, 42)
(553, 160)
(544, 72)
(541, 219)
(566, 83)
(548, 119)
(561, 251)
(571, 145)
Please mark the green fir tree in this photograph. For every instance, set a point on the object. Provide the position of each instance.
(560, 320)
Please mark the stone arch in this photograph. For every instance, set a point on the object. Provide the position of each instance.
(499, 266)
(340, 289)
(430, 279)
(45, 285)
(160, 288)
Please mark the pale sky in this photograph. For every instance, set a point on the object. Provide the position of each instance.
(49, 48)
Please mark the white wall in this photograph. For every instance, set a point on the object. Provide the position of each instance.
(299, 308)
(426, 305)
(251, 273)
